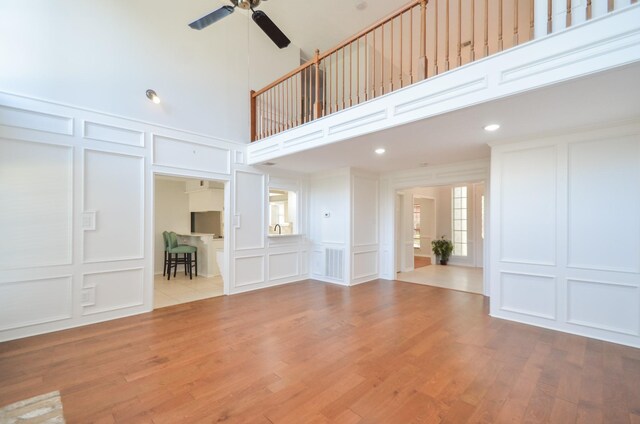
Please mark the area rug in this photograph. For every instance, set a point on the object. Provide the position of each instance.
(43, 409)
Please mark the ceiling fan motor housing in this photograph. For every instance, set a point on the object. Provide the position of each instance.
(246, 4)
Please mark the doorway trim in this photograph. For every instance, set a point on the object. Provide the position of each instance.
(227, 220)
(430, 176)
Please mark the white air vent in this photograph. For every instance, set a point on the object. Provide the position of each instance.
(334, 263)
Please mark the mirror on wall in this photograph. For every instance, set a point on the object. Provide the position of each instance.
(282, 212)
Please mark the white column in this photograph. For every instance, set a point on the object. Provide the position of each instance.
(540, 14)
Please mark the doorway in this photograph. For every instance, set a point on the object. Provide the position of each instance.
(193, 209)
(455, 213)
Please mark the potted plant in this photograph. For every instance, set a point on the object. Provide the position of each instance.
(442, 248)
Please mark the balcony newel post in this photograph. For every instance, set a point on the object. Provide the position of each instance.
(318, 107)
(423, 62)
(253, 115)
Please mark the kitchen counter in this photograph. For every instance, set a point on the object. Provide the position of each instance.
(208, 245)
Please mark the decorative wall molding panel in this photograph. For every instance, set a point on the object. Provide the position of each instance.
(87, 193)
(284, 265)
(358, 122)
(114, 290)
(304, 138)
(364, 265)
(110, 134)
(592, 51)
(578, 231)
(460, 88)
(597, 45)
(36, 217)
(34, 120)
(249, 270)
(119, 231)
(528, 294)
(262, 261)
(528, 192)
(604, 305)
(48, 299)
(183, 154)
(249, 232)
(592, 167)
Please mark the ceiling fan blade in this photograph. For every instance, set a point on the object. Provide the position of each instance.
(269, 28)
(212, 17)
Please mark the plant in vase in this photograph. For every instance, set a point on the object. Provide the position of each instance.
(442, 248)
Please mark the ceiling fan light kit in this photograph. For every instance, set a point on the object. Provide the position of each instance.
(258, 16)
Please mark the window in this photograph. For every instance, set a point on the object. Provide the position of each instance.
(282, 212)
(459, 210)
(416, 226)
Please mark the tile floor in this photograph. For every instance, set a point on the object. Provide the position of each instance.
(182, 290)
(449, 277)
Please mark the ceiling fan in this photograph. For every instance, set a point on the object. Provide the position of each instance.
(259, 17)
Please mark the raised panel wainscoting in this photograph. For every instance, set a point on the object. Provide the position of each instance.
(570, 260)
(80, 184)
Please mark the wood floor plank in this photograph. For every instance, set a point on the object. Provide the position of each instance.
(380, 352)
(563, 412)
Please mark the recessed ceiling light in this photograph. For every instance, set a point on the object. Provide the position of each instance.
(492, 127)
(380, 151)
(361, 5)
(151, 95)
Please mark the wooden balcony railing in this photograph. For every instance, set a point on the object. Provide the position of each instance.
(422, 39)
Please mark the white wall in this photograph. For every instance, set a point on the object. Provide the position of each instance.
(365, 208)
(260, 260)
(103, 55)
(565, 233)
(171, 209)
(78, 196)
(330, 223)
(344, 226)
(81, 191)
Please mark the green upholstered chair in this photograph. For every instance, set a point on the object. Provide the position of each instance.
(179, 254)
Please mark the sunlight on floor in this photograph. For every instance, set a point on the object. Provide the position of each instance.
(182, 290)
(449, 277)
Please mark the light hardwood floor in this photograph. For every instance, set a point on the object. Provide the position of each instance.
(380, 352)
(453, 277)
(181, 289)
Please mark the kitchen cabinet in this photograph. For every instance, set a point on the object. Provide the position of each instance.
(206, 200)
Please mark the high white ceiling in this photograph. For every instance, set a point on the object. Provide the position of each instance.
(321, 24)
(459, 136)
(309, 24)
